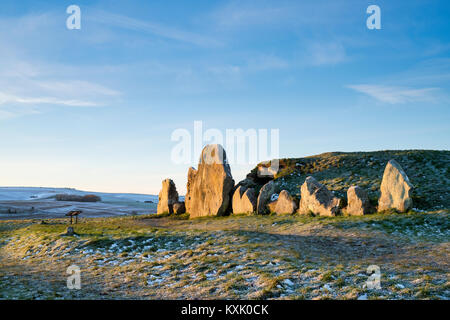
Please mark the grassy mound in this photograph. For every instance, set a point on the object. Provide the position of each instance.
(428, 171)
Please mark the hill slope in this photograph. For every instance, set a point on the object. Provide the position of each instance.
(428, 171)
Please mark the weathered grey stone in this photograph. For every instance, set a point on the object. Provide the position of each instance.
(168, 196)
(395, 189)
(70, 232)
(244, 200)
(179, 208)
(316, 198)
(209, 188)
(358, 201)
(285, 204)
(264, 197)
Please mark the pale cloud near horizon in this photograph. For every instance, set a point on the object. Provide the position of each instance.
(394, 94)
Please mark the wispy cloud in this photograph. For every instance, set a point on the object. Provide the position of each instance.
(259, 63)
(31, 91)
(229, 70)
(433, 72)
(77, 87)
(8, 98)
(396, 95)
(6, 113)
(121, 21)
(326, 53)
(28, 85)
(267, 62)
(238, 13)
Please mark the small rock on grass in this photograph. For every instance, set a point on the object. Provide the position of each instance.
(70, 232)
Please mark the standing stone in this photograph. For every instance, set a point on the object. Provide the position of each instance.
(70, 231)
(265, 194)
(179, 208)
(395, 189)
(285, 204)
(244, 200)
(358, 201)
(209, 187)
(168, 196)
(316, 198)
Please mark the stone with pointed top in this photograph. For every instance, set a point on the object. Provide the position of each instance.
(244, 200)
(395, 189)
(209, 187)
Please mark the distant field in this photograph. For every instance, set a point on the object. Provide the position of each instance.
(236, 257)
(40, 203)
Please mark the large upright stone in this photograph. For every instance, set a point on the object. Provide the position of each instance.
(244, 200)
(168, 196)
(264, 197)
(209, 187)
(316, 198)
(285, 204)
(395, 189)
(358, 201)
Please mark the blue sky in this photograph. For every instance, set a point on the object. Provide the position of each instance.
(95, 108)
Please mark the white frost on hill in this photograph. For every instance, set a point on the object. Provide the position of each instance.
(36, 193)
(32, 202)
